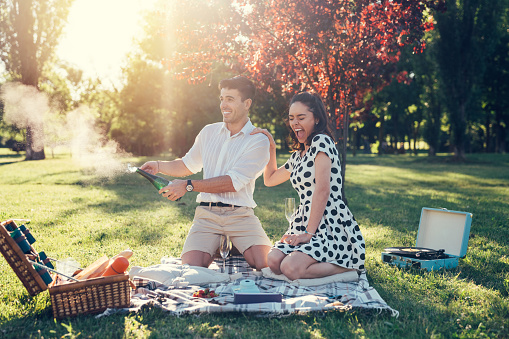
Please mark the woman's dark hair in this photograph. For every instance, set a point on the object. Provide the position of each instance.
(315, 105)
(242, 84)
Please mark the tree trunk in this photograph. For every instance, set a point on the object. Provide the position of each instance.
(432, 152)
(381, 137)
(30, 74)
(488, 132)
(415, 136)
(498, 131)
(460, 133)
(354, 146)
(35, 143)
(343, 153)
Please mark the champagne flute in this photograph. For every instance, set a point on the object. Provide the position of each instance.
(289, 208)
(224, 248)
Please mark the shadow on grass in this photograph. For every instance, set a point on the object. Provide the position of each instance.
(424, 300)
(7, 159)
(444, 296)
(138, 230)
(394, 201)
(8, 163)
(483, 265)
(43, 325)
(491, 159)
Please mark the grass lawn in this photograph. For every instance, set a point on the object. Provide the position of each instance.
(75, 213)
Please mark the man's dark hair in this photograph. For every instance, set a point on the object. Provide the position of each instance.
(242, 84)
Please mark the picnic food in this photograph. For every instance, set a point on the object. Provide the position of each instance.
(125, 253)
(206, 293)
(94, 270)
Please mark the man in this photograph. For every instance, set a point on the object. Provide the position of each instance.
(231, 160)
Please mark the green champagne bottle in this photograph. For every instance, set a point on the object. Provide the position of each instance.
(155, 180)
(158, 182)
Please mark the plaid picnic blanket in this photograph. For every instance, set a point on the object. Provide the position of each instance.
(296, 299)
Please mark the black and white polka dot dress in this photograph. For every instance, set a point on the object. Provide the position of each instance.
(338, 239)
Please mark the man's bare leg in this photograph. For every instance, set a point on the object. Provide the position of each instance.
(197, 258)
(256, 256)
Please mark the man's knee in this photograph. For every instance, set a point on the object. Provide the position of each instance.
(197, 258)
(256, 256)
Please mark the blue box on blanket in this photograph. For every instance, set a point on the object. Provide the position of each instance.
(442, 239)
(253, 298)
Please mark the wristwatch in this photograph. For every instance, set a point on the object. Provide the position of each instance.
(189, 186)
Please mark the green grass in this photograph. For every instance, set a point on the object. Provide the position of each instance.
(76, 213)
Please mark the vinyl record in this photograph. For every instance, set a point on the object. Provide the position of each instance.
(417, 252)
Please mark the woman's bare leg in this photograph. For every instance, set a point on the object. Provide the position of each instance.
(298, 265)
(274, 259)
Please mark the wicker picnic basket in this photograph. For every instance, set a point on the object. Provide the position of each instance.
(90, 296)
(71, 299)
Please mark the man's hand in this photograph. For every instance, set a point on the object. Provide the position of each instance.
(175, 190)
(151, 167)
(296, 239)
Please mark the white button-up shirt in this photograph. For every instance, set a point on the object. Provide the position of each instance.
(241, 156)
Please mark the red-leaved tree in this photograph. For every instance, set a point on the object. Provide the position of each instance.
(341, 49)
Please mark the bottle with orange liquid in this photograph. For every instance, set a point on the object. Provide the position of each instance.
(118, 266)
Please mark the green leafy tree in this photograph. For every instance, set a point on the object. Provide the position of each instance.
(339, 49)
(29, 32)
(412, 104)
(431, 100)
(400, 107)
(143, 118)
(495, 93)
(465, 42)
(64, 85)
(159, 111)
(67, 90)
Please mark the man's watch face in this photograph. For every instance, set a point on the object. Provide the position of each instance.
(189, 188)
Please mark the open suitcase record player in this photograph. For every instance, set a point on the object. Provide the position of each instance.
(441, 240)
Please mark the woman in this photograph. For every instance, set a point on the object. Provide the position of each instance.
(323, 237)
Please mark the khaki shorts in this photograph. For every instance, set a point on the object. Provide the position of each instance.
(240, 223)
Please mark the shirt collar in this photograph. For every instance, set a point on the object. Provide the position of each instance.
(248, 128)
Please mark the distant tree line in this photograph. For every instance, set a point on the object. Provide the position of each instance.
(453, 96)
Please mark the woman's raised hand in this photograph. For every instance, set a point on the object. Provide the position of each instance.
(267, 133)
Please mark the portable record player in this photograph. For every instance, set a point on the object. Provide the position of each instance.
(441, 240)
